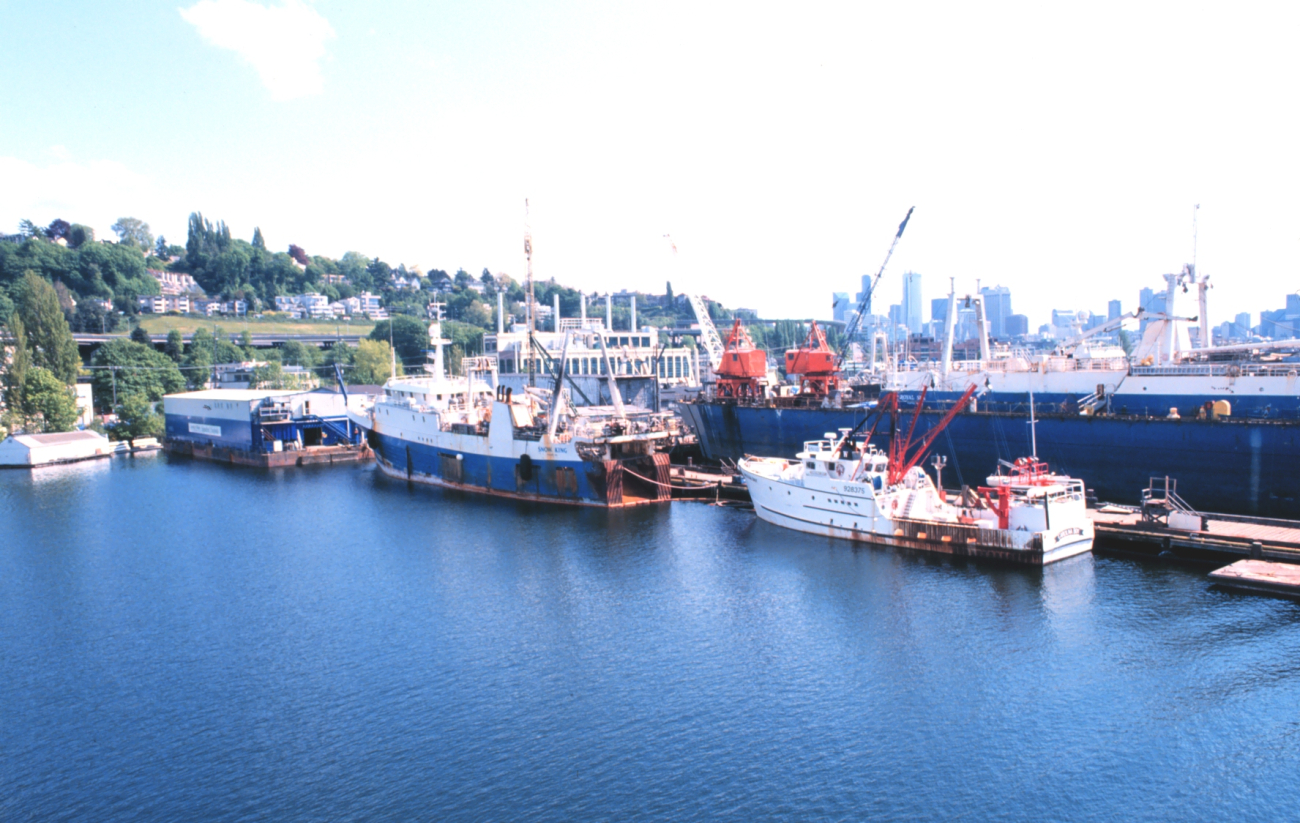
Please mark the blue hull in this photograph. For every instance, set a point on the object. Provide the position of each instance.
(1262, 406)
(1238, 466)
(569, 481)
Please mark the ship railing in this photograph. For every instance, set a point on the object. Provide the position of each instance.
(1219, 370)
(1163, 491)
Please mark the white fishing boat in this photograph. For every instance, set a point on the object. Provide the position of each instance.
(846, 488)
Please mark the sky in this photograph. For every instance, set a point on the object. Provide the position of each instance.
(1058, 149)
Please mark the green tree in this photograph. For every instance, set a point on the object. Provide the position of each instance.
(133, 232)
(342, 354)
(295, 353)
(136, 418)
(198, 360)
(372, 364)
(19, 359)
(259, 242)
(48, 335)
(175, 348)
(409, 336)
(476, 314)
(49, 405)
(668, 294)
(91, 318)
(79, 235)
(141, 335)
(1126, 342)
(124, 367)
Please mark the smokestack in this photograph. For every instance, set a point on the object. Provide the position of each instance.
(609, 312)
(633, 326)
(501, 313)
(557, 311)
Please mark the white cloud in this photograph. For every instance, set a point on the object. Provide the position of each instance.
(283, 43)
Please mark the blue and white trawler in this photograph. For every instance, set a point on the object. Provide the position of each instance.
(468, 432)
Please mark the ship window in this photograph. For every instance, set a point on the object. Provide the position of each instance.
(812, 465)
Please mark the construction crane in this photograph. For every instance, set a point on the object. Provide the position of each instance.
(864, 305)
(709, 337)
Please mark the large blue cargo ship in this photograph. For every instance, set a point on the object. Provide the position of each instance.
(1235, 466)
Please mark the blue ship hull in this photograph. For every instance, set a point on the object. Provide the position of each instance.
(572, 481)
(1236, 466)
(1262, 406)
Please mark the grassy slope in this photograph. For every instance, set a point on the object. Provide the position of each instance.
(161, 324)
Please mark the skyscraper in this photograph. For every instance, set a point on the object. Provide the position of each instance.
(997, 308)
(840, 306)
(866, 284)
(1113, 310)
(912, 301)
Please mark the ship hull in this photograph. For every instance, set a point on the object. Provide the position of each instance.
(460, 462)
(1237, 466)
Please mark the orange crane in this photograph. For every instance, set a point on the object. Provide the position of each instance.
(741, 368)
(815, 363)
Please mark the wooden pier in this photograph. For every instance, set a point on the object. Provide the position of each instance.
(1222, 537)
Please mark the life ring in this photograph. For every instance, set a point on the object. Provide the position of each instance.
(839, 469)
(894, 505)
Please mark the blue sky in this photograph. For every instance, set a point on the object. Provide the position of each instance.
(1055, 149)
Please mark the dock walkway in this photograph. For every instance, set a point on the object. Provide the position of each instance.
(1224, 536)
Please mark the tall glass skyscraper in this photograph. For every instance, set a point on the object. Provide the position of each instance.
(912, 301)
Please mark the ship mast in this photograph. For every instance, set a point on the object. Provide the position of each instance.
(528, 310)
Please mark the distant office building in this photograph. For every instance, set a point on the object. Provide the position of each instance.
(840, 306)
(1241, 325)
(1016, 325)
(1113, 310)
(1152, 302)
(1064, 317)
(866, 286)
(997, 308)
(912, 301)
(939, 310)
(895, 320)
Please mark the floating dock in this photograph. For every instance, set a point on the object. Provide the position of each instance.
(306, 456)
(1260, 576)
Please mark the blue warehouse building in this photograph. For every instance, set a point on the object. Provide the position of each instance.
(252, 422)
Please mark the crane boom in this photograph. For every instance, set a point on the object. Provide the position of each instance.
(709, 337)
(865, 303)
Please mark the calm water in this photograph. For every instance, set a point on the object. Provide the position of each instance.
(186, 641)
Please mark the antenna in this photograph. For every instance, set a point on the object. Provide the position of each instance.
(1195, 211)
(528, 255)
